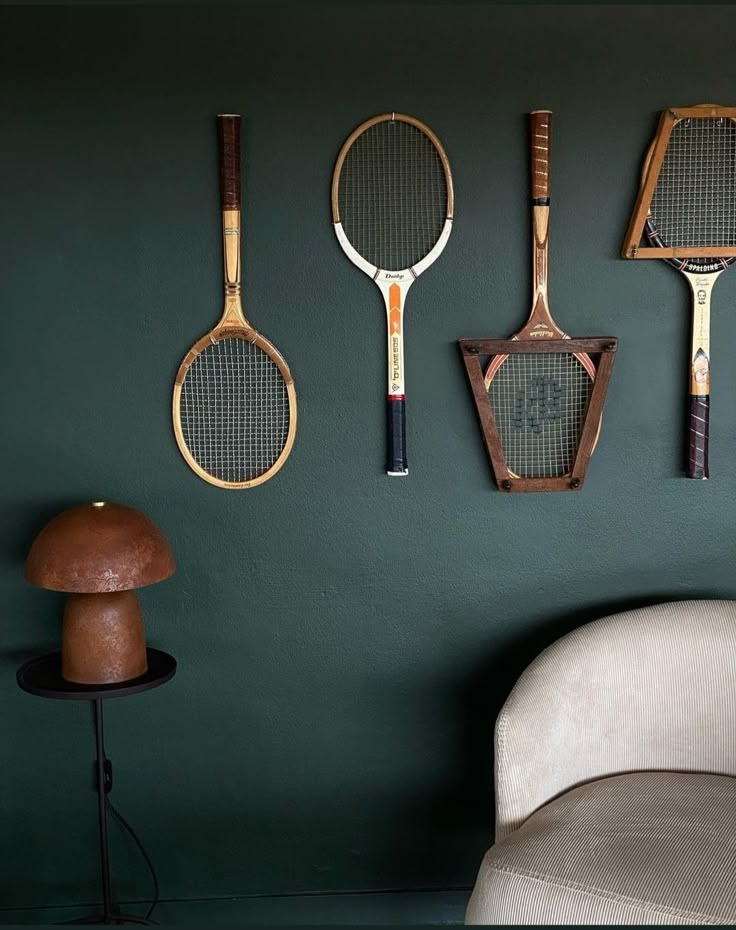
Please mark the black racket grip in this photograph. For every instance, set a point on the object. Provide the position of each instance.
(697, 449)
(396, 412)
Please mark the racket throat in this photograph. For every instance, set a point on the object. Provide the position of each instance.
(394, 287)
(540, 324)
(701, 287)
(540, 252)
(231, 251)
(540, 321)
(394, 293)
(233, 311)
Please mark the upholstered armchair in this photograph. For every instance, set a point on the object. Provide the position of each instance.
(615, 776)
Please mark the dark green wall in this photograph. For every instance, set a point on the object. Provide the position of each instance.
(344, 639)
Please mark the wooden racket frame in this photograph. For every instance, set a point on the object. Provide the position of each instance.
(540, 334)
(233, 323)
(635, 234)
(540, 324)
(701, 285)
(473, 349)
(394, 284)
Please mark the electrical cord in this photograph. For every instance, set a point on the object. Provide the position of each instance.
(124, 823)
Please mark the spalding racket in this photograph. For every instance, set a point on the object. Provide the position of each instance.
(539, 399)
(392, 206)
(234, 398)
(694, 204)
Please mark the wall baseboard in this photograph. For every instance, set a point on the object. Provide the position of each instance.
(384, 908)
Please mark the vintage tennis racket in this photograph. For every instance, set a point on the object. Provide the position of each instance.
(392, 206)
(234, 399)
(694, 204)
(539, 399)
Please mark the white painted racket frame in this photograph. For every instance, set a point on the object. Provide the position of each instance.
(384, 278)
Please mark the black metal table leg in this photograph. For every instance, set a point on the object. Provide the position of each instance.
(42, 676)
(102, 813)
(109, 915)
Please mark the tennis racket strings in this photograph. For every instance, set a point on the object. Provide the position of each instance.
(539, 401)
(392, 195)
(235, 410)
(694, 202)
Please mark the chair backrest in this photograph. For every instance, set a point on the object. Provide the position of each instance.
(649, 689)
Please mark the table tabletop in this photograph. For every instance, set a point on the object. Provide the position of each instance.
(42, 676)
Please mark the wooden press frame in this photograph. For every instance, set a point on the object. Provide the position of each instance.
(472, 351)
(632, 243)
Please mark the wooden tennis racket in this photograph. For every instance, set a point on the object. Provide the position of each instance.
(694, 204)
(539, 399)
(234, 404)
(392, 207)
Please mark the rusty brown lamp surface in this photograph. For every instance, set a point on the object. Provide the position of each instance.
(98, 553)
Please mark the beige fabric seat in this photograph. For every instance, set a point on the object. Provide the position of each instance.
(615, 775)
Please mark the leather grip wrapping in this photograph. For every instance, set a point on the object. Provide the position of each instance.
(228, 133)
(540, 124)
(396, 412)
(697, 452)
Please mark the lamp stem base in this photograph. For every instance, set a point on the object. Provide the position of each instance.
(102, 640)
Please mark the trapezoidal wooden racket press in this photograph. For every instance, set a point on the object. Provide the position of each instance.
(686, 212)
(541, 398)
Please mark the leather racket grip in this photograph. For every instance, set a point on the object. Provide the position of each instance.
(228, 134)
(697, 450)
(396, 412)
(540, 127)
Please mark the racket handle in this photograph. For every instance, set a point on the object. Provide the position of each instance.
(396, 411)
(228, 134)
(540, 125)
(697, 452)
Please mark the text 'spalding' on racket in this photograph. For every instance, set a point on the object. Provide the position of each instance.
(392, 208)
(540, 400)
(234, 404)
(686, 212)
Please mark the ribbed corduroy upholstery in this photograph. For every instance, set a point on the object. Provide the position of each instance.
(649, 689)
(615, 775)
(643, 848)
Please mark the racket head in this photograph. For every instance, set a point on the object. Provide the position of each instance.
(234, 408)
(392, 195)
(694, 199)
(539, 399)
(539, 402)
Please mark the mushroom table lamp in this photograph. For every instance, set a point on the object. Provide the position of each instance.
(98, 553)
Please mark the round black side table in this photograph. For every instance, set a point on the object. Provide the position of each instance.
(42, 676)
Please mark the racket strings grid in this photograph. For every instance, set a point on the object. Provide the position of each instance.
(393, 194)
(540, 411)
(686, 205)
(235, 409)
(695, 196)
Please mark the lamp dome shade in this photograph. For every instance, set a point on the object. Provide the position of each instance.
(99, 547)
